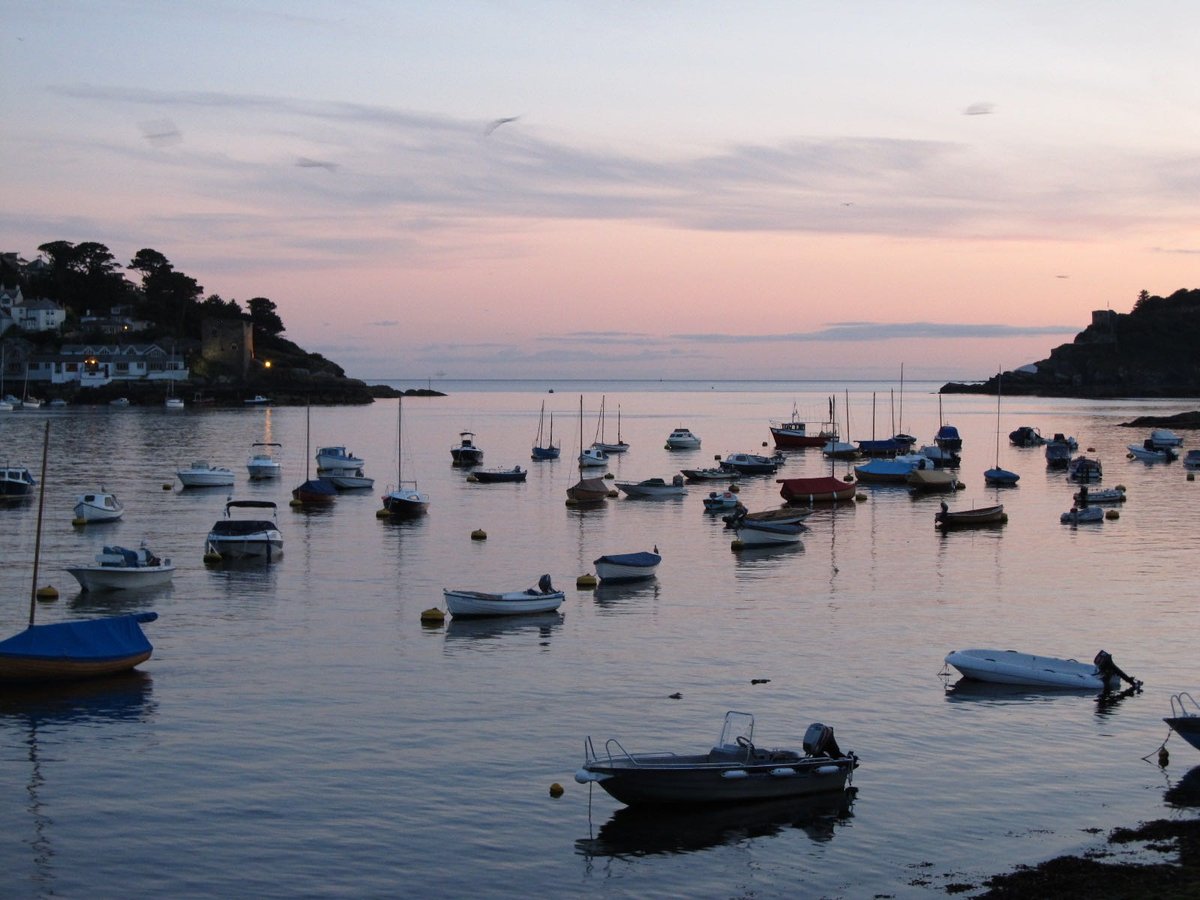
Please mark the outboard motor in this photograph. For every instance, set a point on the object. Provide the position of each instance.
(819, 741)
(544, 584)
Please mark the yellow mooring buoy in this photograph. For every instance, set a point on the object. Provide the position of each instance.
(556, 790)
(433, 616)
(479, 535)
(1112, 514)
(49, 592)
(736, 545)
(586, 582)
(78, 520)
(211, 557)
(167, 486)
(382, 513)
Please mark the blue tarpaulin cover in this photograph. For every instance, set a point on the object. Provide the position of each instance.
(645, 558)
(91, 640)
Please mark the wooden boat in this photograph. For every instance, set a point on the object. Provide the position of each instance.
(548, 450)
(262, 464)
(403, 500)
(733, 771)
(117, 569)
(1185, 718)
(969, 518)
(98, 506)
(1077, 515)
(682, 439)
(232, 538)
(66, 651)
(618, 567)
(492, 476)
(653, 488)
(1011, 667)
(201, 474)
(466, 452)
(541, 599)
(825, 489)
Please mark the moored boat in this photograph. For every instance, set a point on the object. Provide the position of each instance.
(969, 518)
(404, 500)
(246, 538)
(1164, 437)
(338, 458)
(347, 480)
(98, 506)
(491, 476)
(201, 474)
(750, 464)
(1086, 496)
(652, 488)
(117, 568)
(716, 501)
(617, 567)
(1149, 453)
(1085, 470)
(707, 474)
(825, 489)
(682, 439)
(262, 463)
(888, 471)
(1012, 667)
(541, 599)
(1026, 436)
(15, 482)
(765, 533)
(734, 770)
(1192, 459)
(544, 449)
(932, 478)
(793, 433)
(1082, 515)
(70, 651)
(257, 400)
(1185, 718)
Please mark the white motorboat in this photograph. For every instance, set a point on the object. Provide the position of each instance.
(541, 599)
(682, 439)
(98, 506)
(262, 463)
(345, 480)
(652, 488)
(1149, 453)
(1082, 515)
(232, 538)
(1012, 667)
(119, 402)
(119, 569)
(618, 567)
(201, 474)
(719, 501)
(1164, 437)
(1086, 495)
(734, 771)
(338, 459)
(592, 458)
(1185, 718)
(257, 400)
(466, 452)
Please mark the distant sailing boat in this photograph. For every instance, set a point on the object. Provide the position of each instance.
(620, 446)
(67, 651)
(314, 491)
(997, 476)
(403, 501)
(548, 450)
(587, 490)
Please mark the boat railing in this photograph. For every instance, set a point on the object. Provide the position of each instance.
(1180, 704)
(591, 756)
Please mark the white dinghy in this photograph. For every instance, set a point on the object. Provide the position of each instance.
(1012, 667)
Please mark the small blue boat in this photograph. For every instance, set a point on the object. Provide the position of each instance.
(617, 567)
(65, 651)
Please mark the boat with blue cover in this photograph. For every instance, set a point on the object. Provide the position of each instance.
(617, 567)
(65, 651)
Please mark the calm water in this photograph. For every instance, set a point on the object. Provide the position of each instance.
(299, 732)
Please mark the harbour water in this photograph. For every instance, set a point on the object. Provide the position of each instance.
(300, 732)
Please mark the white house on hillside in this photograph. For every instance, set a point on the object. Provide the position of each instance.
(94, 365)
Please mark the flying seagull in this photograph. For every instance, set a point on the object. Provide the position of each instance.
(496, 123)
(305, 163)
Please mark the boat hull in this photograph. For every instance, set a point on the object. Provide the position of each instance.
(493, 476)
(768, 534)
(971, 518)
(257, 547)
(515, 603)
(1187, 727)
(212, 477)
(1011, 667)
(96, 511)
(588, 490)
(816, 490)
(624, 567)
(119, 578)
(70, 651)
(544, 453)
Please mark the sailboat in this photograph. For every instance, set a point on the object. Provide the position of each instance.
(901, 437)
(28, 402)
(314, 491)
(834, 448)
(67, 651)
(997, 476)
(620, 446)
(548, 450)
(403, 501)
(587, 490)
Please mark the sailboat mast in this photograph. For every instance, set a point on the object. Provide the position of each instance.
(399, 444)
(37, 542)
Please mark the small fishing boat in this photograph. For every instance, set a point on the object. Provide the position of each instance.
(717, 501)
(793, 433)
(1185, 718)
(784, 514)
(1086, 496)
(15, 482)
(257, 400)
(601, 443)
(1164, 437)
(201, 474)
(338, 458)
(1082, 515)
(346, 479)
(262, 463)
(653, 488)
(682, 439)
(1149, 453)
(246, 538)
(969, 518)
(491, 476)
(733, 771)
(98, 506)
(706, 474)
(618, 567)
(117, 568)
(1085, 470)
(548, 449)
(825, 489)
(541, 599)
(932, 478)
(1058, 453)
(764, 533)
(1012, 667)
(1026, 436)
(749, 464)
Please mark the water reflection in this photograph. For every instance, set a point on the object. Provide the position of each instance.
(1185, 792)
(491, 632)
(629, 597)
(118, 603)
(636, 832)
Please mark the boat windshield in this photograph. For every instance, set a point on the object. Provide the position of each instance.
(737, 724)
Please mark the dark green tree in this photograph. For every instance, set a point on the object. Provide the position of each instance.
(264, 318)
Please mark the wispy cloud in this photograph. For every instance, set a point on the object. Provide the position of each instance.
(886, 331)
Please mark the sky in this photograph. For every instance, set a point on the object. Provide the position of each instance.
(625, 189)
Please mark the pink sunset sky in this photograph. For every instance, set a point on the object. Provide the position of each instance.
(709, 190)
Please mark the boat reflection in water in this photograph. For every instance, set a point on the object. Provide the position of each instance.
(494, 632)
(626, 596)
(970, 690)
(645, 831)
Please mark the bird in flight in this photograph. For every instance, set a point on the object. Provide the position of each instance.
(496, 123)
